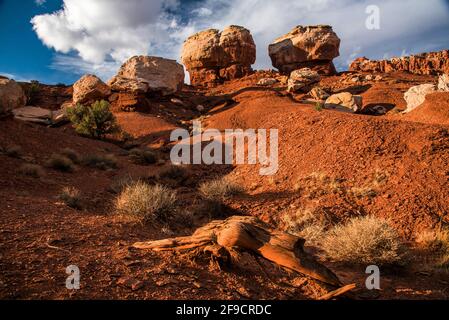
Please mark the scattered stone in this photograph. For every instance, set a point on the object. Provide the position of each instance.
(378, 78)
(177, 102)
(311, 47)
(369, 77)
(212, 57)
(443, 83)
(266, 82)
(39, 115)
(130, 283)
(345, 100)
(416, 96)
(319, 94)
(302, 79)
(89, 89)
(144, 74)
(11, 96)
(200, 108)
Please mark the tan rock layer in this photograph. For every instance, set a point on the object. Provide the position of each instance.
(424, 64)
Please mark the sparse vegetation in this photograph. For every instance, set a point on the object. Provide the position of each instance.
(31, 91)
(102, 162)
(146, 202)
(71, 197)
(364, 240)
(120, 183)
(307, 224)
(142, 156)
(174, 173)
(319, 106)
(60, 162)
(95, 121)
(363, 192)
(13, 151)
(219, 190)
(317, 185)
(436, 242)
(32, 170)
(71, 154)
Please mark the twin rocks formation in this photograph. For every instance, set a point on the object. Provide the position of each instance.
(212, 56)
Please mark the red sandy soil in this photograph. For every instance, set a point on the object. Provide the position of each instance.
(40, 236)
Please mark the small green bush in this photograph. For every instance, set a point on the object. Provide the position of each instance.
(93, 121)
(143, 157)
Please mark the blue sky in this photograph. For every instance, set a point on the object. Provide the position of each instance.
(59, 40)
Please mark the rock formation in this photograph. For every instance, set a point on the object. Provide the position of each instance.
(90, 88)
(144, 74)
(11, 96)
(345, 101)
(212, 57)
(416, 95)
(302, 80)
(426, 64)
(311, 47)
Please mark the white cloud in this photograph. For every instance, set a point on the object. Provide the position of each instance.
(40, 2)
(113, 30)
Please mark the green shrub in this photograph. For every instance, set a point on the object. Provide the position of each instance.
(145, 202)
(93, 121)
(102, 162)
(319, 106)
(365, 240)
(60, 162)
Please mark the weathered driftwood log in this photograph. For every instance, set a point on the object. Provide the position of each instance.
(252, 235)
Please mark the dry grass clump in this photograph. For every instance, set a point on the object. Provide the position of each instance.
(120, 183)
(71, 154)
(363, 192)
(306, 224)
(371, 189)
(174, 172)
(99, 161)
(318, 184)
(364, 240)
(219, 190)
(142, 156)
(437, 243)
(32, 170)
(60, 162)
(145, 202)
(71, 197)
(13, 151)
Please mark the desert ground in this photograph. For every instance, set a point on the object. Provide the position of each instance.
(59, 190)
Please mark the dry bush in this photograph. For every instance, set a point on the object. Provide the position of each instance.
(219, 190)
(145, 202)
(102, 162)
(363, 192)
(32, 170)
(437, 243)
(307, 224)
(71, 154)
(174, 173)
(120, 183)
(364, 240)
(13, 151)
(142, 156)
(61, 163)
(71, 197)
(318, 184)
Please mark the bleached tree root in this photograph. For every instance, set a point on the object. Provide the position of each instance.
(251, 235)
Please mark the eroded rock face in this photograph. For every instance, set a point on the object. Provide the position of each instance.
(443, 83)
(345, 100)
(11, 96)
(90, 88)
(311, 47)
(212, 57)
(144, 74)
(425, 64)
(416, 96)
(302, 79)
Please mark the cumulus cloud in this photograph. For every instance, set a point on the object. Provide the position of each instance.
(98, 35)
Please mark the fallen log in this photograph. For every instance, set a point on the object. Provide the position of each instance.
(254, 236)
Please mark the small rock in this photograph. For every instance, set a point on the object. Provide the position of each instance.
(178, 102)
(267, 82)
(369, 77)
(443, 83)
(345, 100)
(319, 94)
(416, 96)
(200, 108)
(301, 79)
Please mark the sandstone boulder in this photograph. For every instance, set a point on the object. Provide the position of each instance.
(416, 96)
(302, 79)
(306, 46)
(11, 96)
(90, 88)
(319, 94)
(346, 101)
(212, 56)
(144, 74)
(266, 82)
(443, 83)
